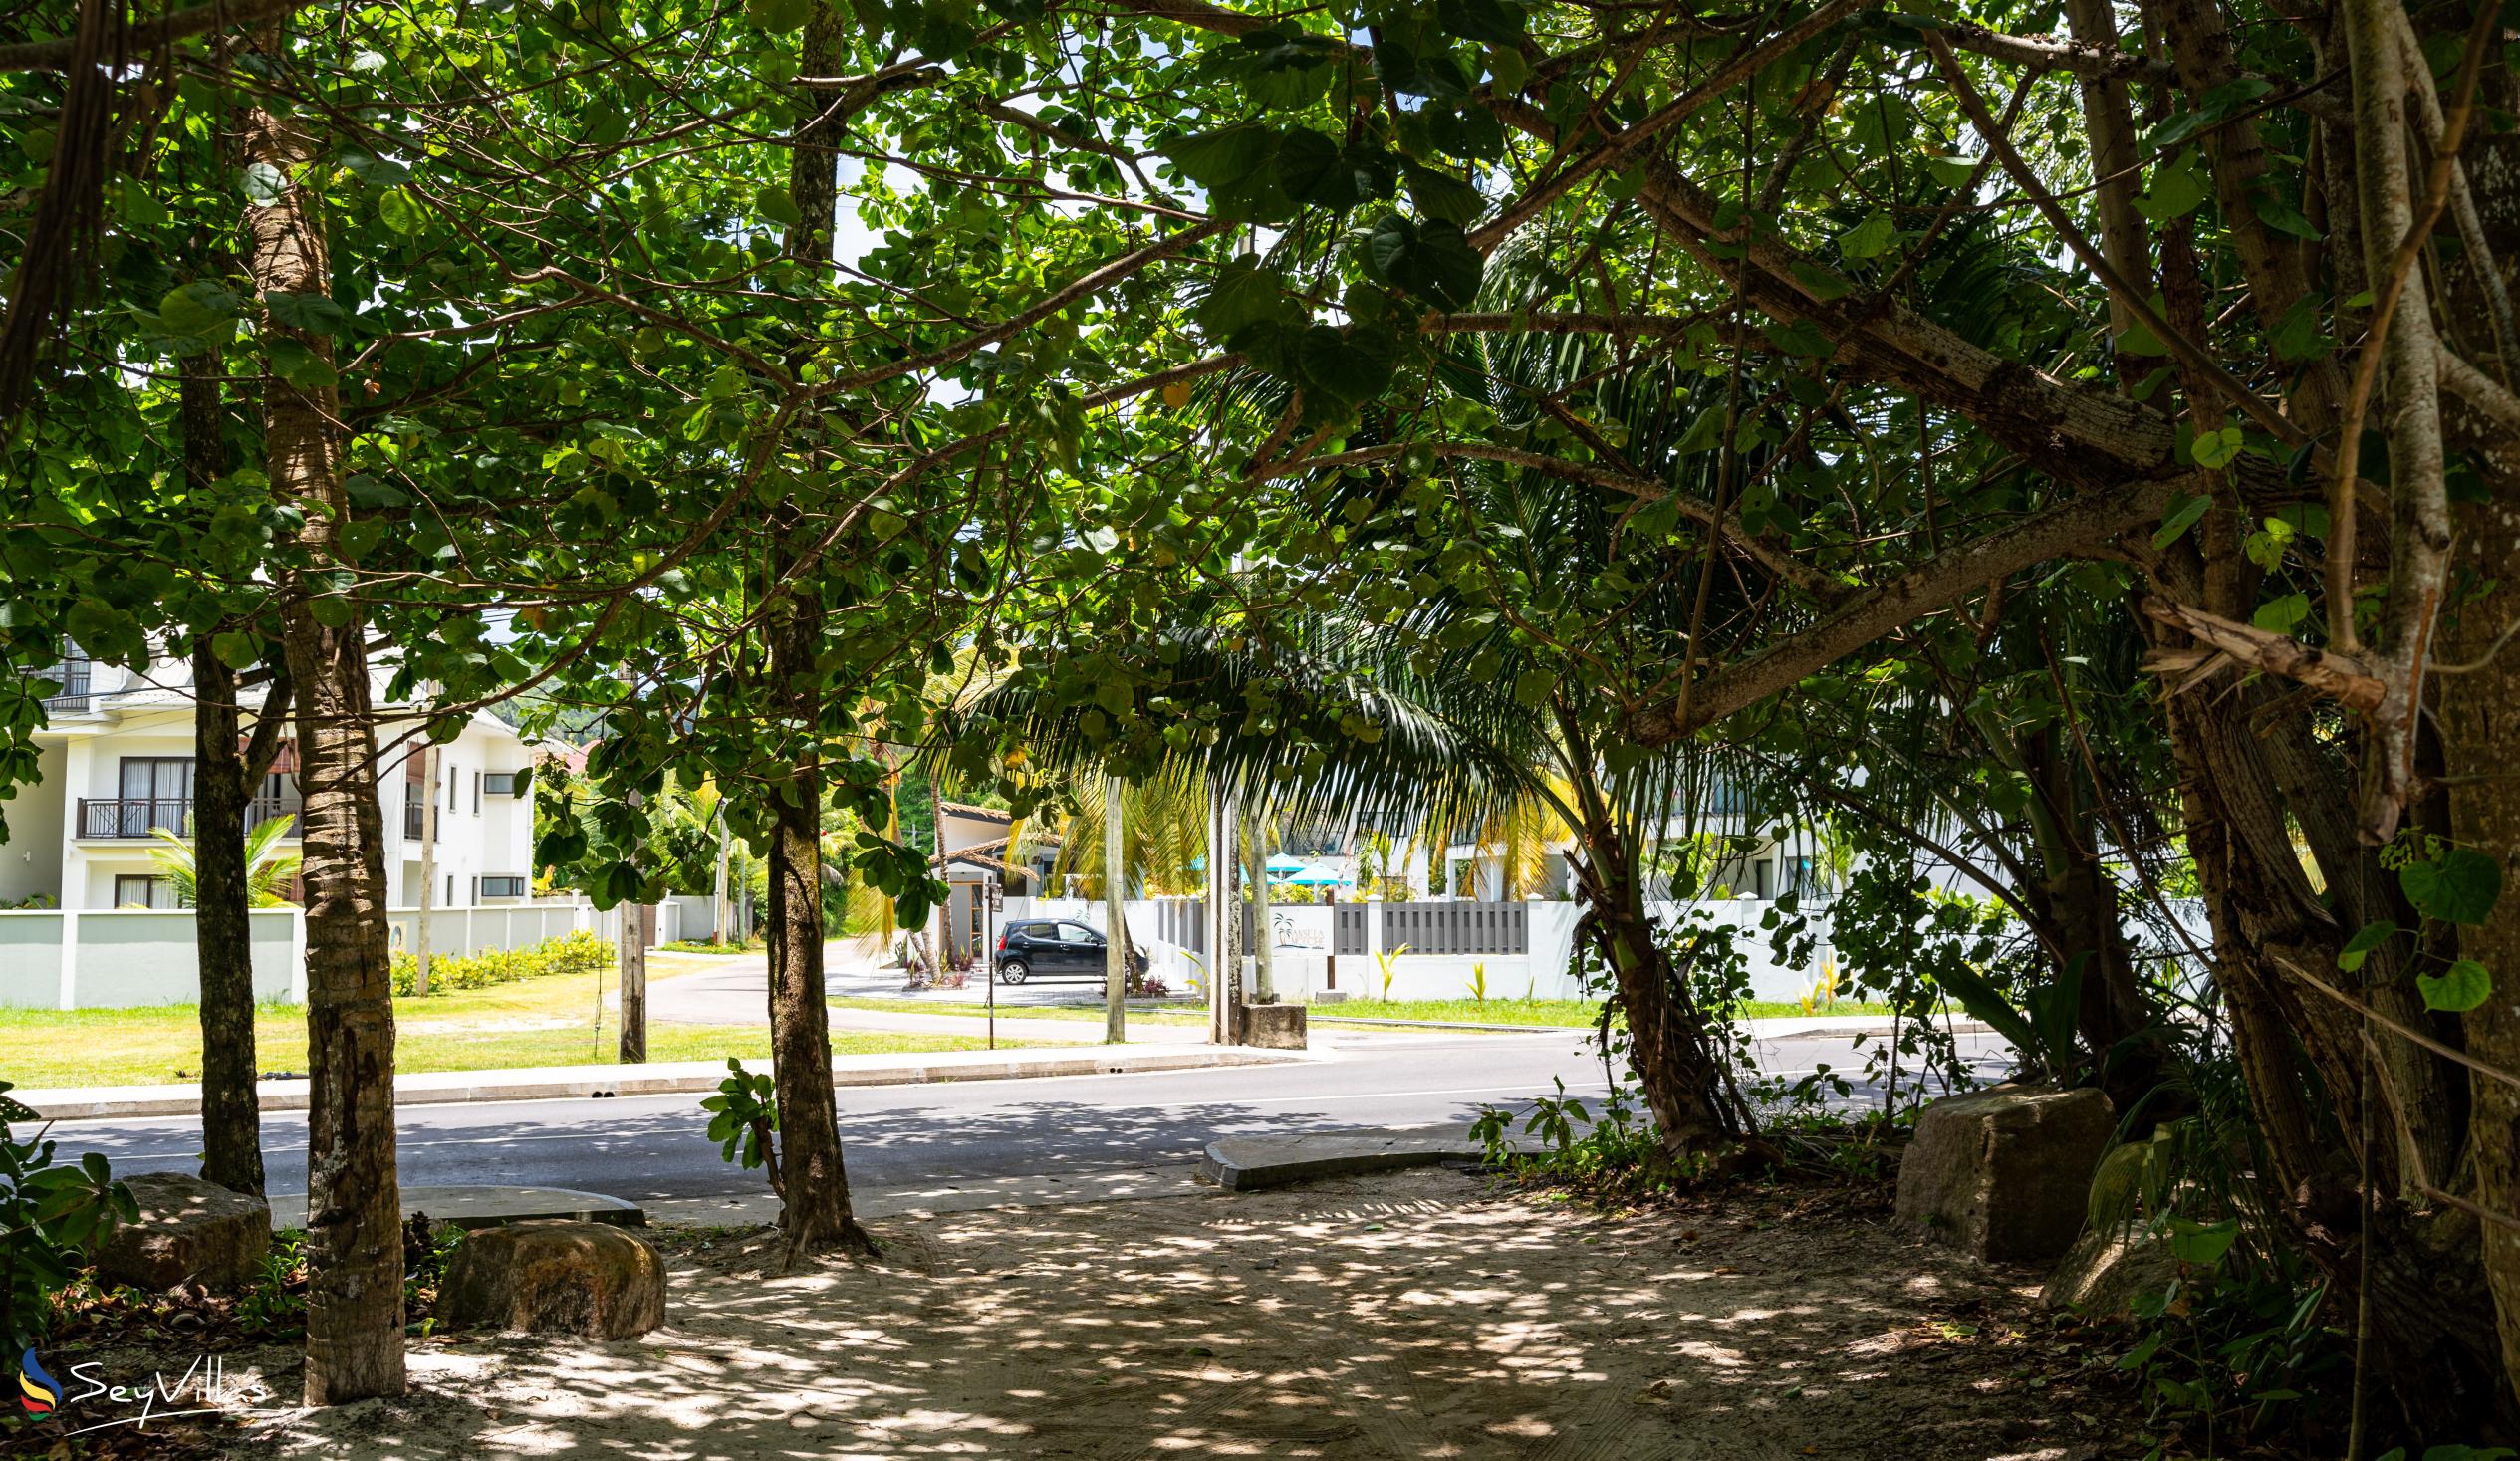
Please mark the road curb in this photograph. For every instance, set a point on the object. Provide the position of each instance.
(559, 1082)
(1257, 1163)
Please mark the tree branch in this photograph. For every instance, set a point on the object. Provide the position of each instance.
(2077, 526)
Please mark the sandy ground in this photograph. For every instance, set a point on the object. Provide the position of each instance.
(1423, 1315)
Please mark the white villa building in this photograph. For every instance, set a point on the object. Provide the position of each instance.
(114, 765)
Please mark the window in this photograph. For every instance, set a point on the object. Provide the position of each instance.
(499, 783)
(503, 887)
(1076, 934)
(452, 778)
(1763, 874)
(155, 792)
(1048, 931)
(142, 890)
(476, 793)
(451, 890)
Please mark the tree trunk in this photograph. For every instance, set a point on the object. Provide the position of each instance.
(1115, 916)
(1667, 1039)
(1255, 865)
(224, 773)
(815, 1182)
(2480, 725)
(353, 1238)
(815, 1207)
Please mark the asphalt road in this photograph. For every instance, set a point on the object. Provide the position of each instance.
(649, 1149)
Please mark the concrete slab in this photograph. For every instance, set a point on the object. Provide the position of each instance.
(488, 1207)
(558, 1083)
(1252, 1163)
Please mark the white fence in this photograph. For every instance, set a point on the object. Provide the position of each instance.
(1304, 964)
(98, 959)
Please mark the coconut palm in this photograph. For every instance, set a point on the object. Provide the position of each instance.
(269, 867)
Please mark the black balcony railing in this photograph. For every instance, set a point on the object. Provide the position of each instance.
(134, 817)
(73, 676)
(414, 820)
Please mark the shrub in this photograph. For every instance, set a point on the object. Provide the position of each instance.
(571, 953)
(50, 1214)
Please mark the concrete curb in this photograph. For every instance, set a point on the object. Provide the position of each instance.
(556, 1083)
(1771, 1028)
(1256, 1164)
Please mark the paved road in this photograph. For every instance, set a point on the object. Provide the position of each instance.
(917, 1136)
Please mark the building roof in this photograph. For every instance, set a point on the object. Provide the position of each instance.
(977, 813)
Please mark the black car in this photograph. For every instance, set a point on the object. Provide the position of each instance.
(1047, 949)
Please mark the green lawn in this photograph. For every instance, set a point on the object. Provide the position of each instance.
(1545, 1010)
(534, 1021)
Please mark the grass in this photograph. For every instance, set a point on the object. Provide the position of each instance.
(534, 1021)
(1545, 1010)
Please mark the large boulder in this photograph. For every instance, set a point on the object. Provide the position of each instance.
(2105, 1271)
(187, 1231)
(2005, 1173)
(590, 1279)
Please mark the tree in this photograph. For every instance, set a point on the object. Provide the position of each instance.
(354, 1212)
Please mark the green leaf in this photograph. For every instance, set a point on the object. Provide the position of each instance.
(2178, 187)
(1821, 283)
(2297, 335)
(2462, 887)
(1440, 195)
(1802, 338)
(2282, 616)
(2360, 946)
(2281, 216)
(236, 652)
(1213, 159)
(400, 211)
(2203, 1244)
(315, 313)
(302, 368)
(2217, 448)
(2183, 513)
(200, 309)
(1870, 238)
(1430, 260)
(2137, 339)
(1492, 21)
(779, 16)
(264, 184)
(773, 203)
(1349, 366)
(2456, 990)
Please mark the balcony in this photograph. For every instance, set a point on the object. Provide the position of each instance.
(74, 676)
(136, 819)
(414, 820)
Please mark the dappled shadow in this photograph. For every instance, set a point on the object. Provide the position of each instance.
(1423, 1316)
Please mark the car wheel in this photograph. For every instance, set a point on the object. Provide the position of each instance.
(1013, 971)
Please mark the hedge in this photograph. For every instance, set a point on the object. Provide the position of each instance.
(571, 953)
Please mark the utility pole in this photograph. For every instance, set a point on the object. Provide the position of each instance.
(428, 865)
(1225, 921)
(718, 910)
(1115, 913)
(633, 981)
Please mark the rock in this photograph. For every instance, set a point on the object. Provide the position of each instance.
(591, 1278)
(2005, 1173)
(189, 1231)
(2105, 1272)
(1270, 1027)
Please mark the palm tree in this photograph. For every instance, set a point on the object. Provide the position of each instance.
(268, 868)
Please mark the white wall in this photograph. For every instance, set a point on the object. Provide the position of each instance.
(30, 861)
(108, 959)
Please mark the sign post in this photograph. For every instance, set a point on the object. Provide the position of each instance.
(988, 949)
